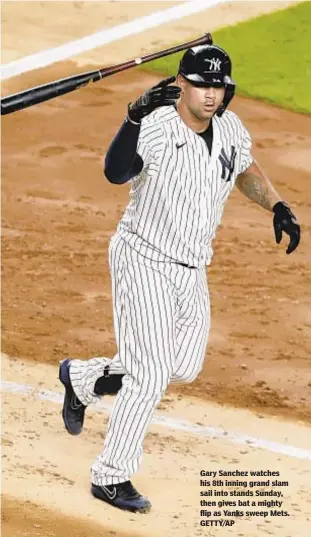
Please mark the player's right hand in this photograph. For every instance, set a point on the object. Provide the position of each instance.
(159, 95)
(285, 220)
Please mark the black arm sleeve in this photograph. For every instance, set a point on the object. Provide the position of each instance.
(122, 162)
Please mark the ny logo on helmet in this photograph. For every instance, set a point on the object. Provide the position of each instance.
(214, 64)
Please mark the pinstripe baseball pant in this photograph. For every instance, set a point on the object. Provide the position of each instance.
(162, 320)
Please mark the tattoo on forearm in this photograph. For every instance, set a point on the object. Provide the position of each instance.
(258, 190)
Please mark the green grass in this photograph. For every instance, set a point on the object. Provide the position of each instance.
(271, 57)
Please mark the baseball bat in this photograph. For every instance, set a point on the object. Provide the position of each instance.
(45, 92)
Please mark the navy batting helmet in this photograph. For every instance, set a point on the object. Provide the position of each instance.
(209, 65)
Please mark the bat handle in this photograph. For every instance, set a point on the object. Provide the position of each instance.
(206, 39)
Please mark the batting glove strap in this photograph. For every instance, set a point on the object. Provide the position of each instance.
(159, 95)
(285, 220)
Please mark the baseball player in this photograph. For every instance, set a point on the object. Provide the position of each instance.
(183, 153)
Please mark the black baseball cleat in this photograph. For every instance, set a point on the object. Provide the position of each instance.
(124, 496)
(73, 410)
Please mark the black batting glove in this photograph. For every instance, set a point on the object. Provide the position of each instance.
(160, 95)
(285, 220)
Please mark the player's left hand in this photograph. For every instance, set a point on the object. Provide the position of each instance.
(285, 220)
(162, 94)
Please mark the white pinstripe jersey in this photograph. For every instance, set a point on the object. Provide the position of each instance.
(177, 200)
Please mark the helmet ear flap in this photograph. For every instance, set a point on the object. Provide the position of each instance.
(229, 94)
(227, 98)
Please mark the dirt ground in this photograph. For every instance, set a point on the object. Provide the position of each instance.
(58, 214)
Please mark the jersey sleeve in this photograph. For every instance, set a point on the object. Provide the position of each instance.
(246, 157)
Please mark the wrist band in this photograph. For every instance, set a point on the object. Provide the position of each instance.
(131, 121)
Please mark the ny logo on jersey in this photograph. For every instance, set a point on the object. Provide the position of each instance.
(214, 64)
(227, 163)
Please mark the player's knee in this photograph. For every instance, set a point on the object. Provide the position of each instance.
(156, 382)
(150, 386)
(162, 381)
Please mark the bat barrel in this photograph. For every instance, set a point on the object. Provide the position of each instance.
(24, 99)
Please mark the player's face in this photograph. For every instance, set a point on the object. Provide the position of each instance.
(202, 103)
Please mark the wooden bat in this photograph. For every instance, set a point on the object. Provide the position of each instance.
(39, 94)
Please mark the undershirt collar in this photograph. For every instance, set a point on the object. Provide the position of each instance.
(207, 135)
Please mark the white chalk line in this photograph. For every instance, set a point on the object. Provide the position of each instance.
(171, 423)
(103, 37)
